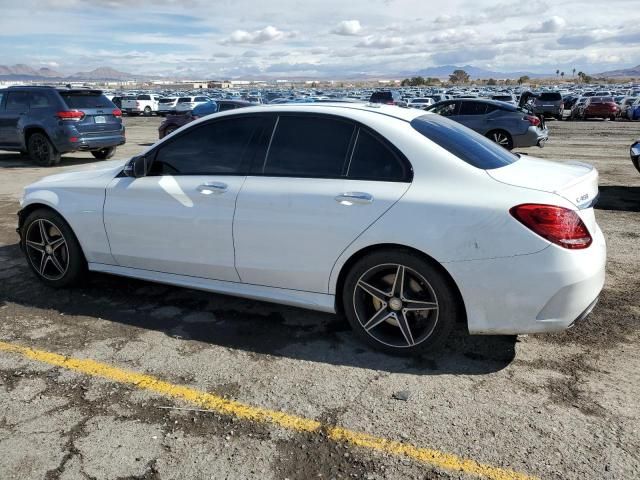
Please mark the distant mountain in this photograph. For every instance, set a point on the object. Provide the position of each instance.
(21, 72)
(476, 73)
(626, 72)
(104, 73)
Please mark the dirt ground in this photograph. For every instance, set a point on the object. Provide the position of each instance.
(562, 406)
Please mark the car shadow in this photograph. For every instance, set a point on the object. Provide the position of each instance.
(197, 318)
(16, 160)
(619, 198)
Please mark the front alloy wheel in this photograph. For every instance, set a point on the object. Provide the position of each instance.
(51, 248)
(399, 303)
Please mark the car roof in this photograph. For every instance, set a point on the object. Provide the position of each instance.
(346, 109)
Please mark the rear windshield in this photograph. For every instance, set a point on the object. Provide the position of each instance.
(166, 100)
(502, 98)
(550, 96)
(86, 100)
(184, 99)
(601, 99)
(381, 96)
(463, 142)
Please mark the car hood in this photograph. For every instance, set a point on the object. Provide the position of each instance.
(575, 181)
(108, 170)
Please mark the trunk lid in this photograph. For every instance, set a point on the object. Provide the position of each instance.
(575, 181)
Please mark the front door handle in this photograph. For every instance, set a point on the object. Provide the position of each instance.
(349, 198)
(208, 188)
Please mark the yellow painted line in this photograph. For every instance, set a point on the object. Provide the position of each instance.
(209, 401)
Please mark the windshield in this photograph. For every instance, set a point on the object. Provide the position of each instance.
(463, 142)
(550, 97)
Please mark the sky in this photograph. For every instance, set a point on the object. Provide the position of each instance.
(219, 39)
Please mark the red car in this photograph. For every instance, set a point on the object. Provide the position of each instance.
(599, 107)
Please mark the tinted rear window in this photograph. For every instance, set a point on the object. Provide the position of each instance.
(550, 97)
(184, 100)
(381, 97)
(166, 100)
(306, 146)
(463, 142)
(86, 100)
(373, 160)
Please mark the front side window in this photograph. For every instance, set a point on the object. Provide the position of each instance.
(309, 146)
(224, 147)
(473, 108)
(18, 101)
(446, 109)
(373, 160)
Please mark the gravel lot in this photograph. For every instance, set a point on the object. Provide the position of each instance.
(559, 406)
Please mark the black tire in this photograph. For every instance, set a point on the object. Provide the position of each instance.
(104, 153)
(502, 138)
(71, 264)
(636, 163)
(147, 111)
(428, 328)
(612, 118)
(41, 150)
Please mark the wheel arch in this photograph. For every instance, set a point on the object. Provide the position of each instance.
(356, 256)
(30, 130)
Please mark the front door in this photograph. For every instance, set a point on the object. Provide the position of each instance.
(178, 219)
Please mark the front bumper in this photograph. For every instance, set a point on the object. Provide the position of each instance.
(537, 293)
(533, 137)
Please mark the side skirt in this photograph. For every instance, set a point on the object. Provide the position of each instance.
(313, 301)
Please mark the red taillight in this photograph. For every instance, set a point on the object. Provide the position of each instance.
(74, 115)
(533, 120)
(117, 113)
(559, 225)
(390, 102)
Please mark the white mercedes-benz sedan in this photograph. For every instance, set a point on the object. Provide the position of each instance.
(404, 222)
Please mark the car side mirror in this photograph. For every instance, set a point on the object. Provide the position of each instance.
(136, 167)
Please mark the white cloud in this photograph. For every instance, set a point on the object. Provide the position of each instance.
(552, 25)
(267, 34)
(382, 41)
(348, 27)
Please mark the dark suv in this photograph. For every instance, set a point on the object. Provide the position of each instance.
(549, 104)
(46, 122)
(389, 97)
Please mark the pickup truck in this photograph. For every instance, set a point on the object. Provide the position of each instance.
(144, 103)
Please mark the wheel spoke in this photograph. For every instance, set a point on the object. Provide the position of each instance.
(417, 305)
(406, 330)
(43, 231)
(43, 263)
(55, 244)
(379, 317)
(373, 291)
(39, 247)
(398, 282)
(56, 263)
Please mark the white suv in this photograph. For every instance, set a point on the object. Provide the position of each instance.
(167, 105)
(144, 103)
(186, 104)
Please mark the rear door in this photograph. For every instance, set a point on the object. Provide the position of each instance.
(313, 195)
(99, 112)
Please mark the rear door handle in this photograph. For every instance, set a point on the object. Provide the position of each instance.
(208, 188)
(349, 198)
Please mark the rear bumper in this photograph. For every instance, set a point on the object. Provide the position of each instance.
(93, 142)
(542, 292)
(533, 137)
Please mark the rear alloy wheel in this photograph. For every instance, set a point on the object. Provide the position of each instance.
(41, 150)
(52, 250)
(502, 138)
(399, 303)
(147, 111)
(104, 153)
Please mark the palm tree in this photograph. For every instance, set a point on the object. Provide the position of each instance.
(557, 72)
(574, 72)
(562, 75)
